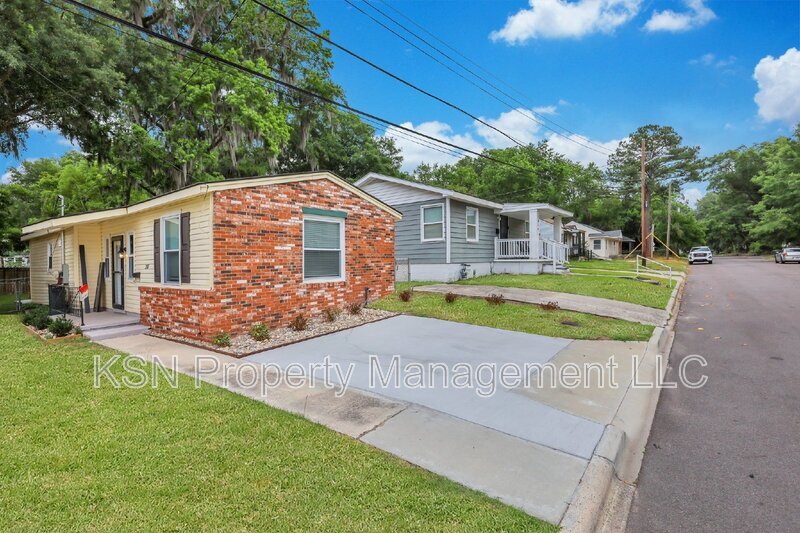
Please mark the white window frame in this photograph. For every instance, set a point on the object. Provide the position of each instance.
(422, 224)
(176, 216)
(130, 254)
(342, 246)
(49, 256)
(477, 224)
(597, 244)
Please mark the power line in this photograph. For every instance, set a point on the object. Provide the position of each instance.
(285, 84)
(540, 115)
(374, 123)
(386, 72)
(482, 89)
(445, 145)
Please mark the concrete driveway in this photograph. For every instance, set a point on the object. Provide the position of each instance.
(429, 341)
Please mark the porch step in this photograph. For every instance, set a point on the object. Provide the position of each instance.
(115, 332)
(560, 269)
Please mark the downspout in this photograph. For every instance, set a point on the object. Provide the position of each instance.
(447, 229)
(63, 241)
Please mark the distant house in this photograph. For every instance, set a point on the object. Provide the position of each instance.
(603, 244)
(222, 256)
(446, 235)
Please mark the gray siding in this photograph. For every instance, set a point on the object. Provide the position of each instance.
(395, 194)
(407, 239)
(463, 251)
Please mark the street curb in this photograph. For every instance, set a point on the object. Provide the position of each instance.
(604, 494)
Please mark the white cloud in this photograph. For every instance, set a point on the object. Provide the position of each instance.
(692, 195)
(698, 15)
(63, 141)
(414, 153)
(546, 109)
(553, 19)
(778, 87)
(518, 123)
(711, 60)
(585, 152)
(5, 177)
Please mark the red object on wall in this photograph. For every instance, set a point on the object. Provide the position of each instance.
(258, 262)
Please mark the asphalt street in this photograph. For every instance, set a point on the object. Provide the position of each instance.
(726, 457)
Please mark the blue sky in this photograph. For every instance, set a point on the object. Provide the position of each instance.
(598, 67)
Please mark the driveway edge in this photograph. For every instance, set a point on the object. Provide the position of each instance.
(603, 498)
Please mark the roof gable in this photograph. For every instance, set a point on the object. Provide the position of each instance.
(373, 177)
(199, 189)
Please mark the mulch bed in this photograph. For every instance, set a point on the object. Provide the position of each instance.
(244, 345)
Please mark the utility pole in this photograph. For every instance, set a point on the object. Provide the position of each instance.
(669, 217)
(646, 251)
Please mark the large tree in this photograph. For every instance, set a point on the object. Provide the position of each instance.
(56, 71)
(667, 161)
(777, 214)
(726, 211)
(166, 117)
(538, 174)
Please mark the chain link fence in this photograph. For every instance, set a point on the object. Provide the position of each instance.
(14, 293)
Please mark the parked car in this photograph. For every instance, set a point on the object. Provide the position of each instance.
(701, 253)
(788, 255)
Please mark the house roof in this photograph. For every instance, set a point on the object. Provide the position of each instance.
(466, 198)
(504, 209)
(196, 189)
(596, 232)
(583, 227)
(548, 210)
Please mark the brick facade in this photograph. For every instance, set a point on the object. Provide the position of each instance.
(258, 262)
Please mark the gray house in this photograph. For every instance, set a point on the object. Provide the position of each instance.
(447, 235)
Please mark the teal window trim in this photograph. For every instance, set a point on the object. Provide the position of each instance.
(324, 212)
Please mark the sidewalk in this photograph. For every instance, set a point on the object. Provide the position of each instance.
(571, 302)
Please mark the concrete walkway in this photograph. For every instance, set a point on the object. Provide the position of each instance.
(571, 302)
(529, 448)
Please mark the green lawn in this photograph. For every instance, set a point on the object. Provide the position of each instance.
(517, 317)
(627, 264)
(624, 290)
(78, 458)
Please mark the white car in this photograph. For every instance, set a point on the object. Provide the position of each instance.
(787, 255)
(701, 253)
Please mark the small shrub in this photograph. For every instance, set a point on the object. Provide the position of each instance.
(260, 332)
(60, 326)
(495, 299)
(222, 339)
(404, 295)
(38, 317)
(450, 297)
(331, 314)
(299, 323)
(550, 306)
(354, 308)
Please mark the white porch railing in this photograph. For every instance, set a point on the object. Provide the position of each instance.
(521, 248)
(555, 251)
(512, 249)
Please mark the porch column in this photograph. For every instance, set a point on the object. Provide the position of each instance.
(558, 230)
(533, 233)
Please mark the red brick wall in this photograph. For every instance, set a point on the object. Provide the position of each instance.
(258, 262)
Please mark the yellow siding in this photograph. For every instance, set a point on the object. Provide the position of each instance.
(93, 235)
(141, 225)
(41, 276)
